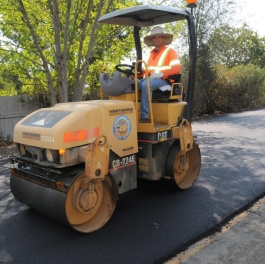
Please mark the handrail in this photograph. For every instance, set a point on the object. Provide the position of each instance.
(148, 90)
(179, 96)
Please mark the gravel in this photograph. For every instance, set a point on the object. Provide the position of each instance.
(7, 149)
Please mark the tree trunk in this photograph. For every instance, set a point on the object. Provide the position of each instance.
(52, 96)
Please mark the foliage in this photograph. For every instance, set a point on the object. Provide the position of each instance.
(221, 46)
(55, 50)
(239, 88)
(234, 46)
(205, 77)
(52, 44)
(212, 14)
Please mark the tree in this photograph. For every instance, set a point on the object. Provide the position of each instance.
(54, 43)
(231, 72)
(209, 15)
(237, 46)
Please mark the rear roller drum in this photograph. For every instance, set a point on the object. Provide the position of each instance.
(184, 170)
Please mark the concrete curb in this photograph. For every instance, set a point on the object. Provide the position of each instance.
(241, 240)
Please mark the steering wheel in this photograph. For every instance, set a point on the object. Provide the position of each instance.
(127, 69)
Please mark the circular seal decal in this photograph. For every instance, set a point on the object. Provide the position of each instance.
(121, 127)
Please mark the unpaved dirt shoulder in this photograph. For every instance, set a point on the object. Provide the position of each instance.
(7, 150)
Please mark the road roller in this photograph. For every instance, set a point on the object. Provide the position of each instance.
(75, 158)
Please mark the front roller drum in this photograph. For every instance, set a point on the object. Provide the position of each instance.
(183, 169)
(86, 206)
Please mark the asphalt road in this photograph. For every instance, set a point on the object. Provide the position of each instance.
(152, 223)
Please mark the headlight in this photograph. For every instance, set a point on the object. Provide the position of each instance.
(62, 154)
(21, 149)
(52, 155)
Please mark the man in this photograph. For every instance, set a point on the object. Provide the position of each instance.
(163, 62)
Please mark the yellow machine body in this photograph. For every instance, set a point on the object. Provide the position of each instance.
(69, 125)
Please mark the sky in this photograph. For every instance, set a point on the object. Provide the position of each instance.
(253, 13)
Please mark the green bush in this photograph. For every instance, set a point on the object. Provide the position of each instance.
(238, 89)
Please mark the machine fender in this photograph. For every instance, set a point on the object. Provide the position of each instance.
(97, 159)
(184, 133)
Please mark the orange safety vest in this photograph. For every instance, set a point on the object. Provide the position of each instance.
(165, 60)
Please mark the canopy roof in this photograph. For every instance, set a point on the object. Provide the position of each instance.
(144, 16)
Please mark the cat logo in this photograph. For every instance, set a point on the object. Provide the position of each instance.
(162, 136)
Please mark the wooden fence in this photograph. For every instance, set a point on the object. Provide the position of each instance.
(11, 111)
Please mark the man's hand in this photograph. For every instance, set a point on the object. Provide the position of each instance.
(156, 75)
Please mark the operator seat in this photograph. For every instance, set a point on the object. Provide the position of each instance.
(163, 93)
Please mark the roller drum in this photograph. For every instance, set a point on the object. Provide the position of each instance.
(84, 205)
(45, 200)
(184, 171)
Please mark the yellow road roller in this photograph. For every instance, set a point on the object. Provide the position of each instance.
(75, 158)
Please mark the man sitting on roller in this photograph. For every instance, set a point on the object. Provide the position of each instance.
(163, 61)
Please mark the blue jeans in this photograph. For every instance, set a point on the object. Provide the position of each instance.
(142, 86)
